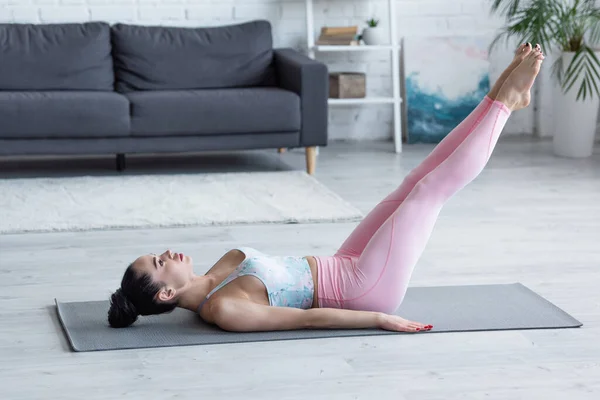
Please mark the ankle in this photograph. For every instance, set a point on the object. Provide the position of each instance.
(502, 100)
(492, 94)
(506, 100)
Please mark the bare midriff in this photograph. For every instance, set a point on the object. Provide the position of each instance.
(312, 262)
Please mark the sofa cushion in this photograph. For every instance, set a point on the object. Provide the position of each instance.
(56, 57)
(214, 111)
(63, 115)
(175, 58)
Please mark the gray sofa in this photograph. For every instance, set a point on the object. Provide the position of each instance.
(93, 88)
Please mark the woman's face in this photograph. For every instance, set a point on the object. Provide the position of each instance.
(173, 269)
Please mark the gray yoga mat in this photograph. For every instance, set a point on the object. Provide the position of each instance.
(447, 308)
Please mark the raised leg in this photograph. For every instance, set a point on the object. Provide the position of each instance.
(311, 160)
(389, 258)
(387, 262)
(358, 239)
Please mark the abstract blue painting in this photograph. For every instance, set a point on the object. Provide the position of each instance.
(445, 80)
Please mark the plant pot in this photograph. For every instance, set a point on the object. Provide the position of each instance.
(374, 36)
(574, 121)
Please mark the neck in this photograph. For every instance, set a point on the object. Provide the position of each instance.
(192, 295)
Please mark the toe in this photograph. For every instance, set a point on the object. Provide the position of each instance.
(538, 62)
(533, 55)
(520, 49)
(524, 51)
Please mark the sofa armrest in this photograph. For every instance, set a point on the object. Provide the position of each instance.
(310, 80)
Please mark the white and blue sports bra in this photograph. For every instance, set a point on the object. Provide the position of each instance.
(288, 280)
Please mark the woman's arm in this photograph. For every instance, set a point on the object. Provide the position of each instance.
(240, 315)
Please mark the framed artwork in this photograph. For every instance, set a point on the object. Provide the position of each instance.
(445, 79)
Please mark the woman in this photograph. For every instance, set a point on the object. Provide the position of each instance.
(367, 278)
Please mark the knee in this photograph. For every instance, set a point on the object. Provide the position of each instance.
(412, 178)
(424, 185)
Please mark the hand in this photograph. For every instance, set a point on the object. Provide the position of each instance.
(397, 324)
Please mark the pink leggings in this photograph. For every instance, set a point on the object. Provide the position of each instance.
(372, 269)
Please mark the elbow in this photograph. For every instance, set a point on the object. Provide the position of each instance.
(312, 319)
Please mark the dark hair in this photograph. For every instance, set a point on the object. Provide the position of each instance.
(135, 297)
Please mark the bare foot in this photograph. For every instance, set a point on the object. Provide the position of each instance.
(520, 54)
(515, 92)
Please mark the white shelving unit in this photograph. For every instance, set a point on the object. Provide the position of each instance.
(395, 100)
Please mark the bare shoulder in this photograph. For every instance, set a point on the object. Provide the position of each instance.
(233, 255)
(228, 262)
(218, 306)
(216, 309)
(232, 258)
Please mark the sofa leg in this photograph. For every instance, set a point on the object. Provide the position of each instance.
(281, 150)
(311, 159)
(120, 162)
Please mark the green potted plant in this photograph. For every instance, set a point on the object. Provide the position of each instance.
(569, 29)
(373, 34)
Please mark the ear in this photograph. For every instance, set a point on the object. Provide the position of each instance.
(166, 295)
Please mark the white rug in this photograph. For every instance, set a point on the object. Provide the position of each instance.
(120, 202)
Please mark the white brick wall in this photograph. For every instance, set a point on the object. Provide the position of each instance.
(415, 18)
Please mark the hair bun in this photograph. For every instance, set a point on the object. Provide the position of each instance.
(122, 312)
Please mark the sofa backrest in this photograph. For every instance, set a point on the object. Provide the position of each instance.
(56, 57)
(172, 58)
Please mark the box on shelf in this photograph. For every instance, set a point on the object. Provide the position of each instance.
(347, 85)
(338, 35)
